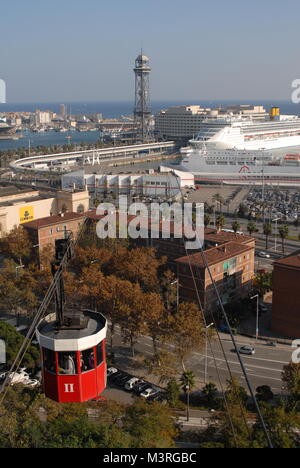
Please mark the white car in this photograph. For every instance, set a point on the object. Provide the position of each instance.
(130, 384)
(247, 350)
(263, 255)
(111, 371)
(149, 391)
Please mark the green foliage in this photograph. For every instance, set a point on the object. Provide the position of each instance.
(13, 341)
(173, 393)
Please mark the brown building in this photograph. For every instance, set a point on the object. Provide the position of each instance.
(43, 232)
(286, 296)
(231, 266)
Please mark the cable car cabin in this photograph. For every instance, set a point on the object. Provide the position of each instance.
(73, 356)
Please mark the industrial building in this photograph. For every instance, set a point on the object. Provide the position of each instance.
(164, 183)
(20, 206)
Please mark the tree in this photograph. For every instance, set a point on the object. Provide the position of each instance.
(150, 425)
(262, 283)
(210, 392)
(17, 244)
(220, 222)
(236, 226)
(283, 232)
(173, 393)
(13, 341)
(155, 317)
(139, 265)
(207, 219)
(251, 228)
(291, 378)
(267, 229)
(186, 331)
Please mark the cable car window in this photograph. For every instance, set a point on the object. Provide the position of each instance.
(87, 360)
(49, 360)
(67, 363)
(99, 354)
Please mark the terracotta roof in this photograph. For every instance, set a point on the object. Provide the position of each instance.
(50, 220)
(215, 254)
(221, 236)
(290, 261)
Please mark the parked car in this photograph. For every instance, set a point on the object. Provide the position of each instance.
(122, 379)
(114, 377)
(247, 350)
(138, 389)
(148, 392)
(131, 383)
(111, 371)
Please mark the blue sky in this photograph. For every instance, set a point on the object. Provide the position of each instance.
(70, 50)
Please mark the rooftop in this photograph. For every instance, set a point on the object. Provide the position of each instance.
(51, 220)
(215, 254)
(290, 261)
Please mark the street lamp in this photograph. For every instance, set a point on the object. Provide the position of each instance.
(276, 219)
(187, 391)
(257, 309)
(205, 369)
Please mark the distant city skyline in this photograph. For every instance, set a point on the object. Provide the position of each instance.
(83, 52)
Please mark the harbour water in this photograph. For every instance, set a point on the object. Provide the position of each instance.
(108, 110)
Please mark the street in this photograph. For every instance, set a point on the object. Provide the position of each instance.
(264, 368)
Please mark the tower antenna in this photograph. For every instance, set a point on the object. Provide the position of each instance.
(142, 112)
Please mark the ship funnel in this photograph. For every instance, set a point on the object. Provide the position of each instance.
(274, 113)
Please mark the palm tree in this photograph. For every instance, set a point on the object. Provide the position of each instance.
(267, 228)
(187, 383)
(206, 220)
(220, 222)
(283, 232)
(210, 392)
(236, 226)
(251, 228)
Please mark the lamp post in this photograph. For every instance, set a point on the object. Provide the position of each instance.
(275, 246)
(187, 391)
(257, 309)
(205, 369)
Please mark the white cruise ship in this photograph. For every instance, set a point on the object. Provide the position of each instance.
(240, 132)
(235, 148)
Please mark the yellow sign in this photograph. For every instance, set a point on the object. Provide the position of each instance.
(26, 214)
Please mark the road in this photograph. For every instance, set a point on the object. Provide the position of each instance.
(264, 368)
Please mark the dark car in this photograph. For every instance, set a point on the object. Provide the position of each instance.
(117, 375)
(140, 388)
(122, 379)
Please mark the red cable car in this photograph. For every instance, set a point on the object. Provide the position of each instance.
(72, 343)
(73, 356)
